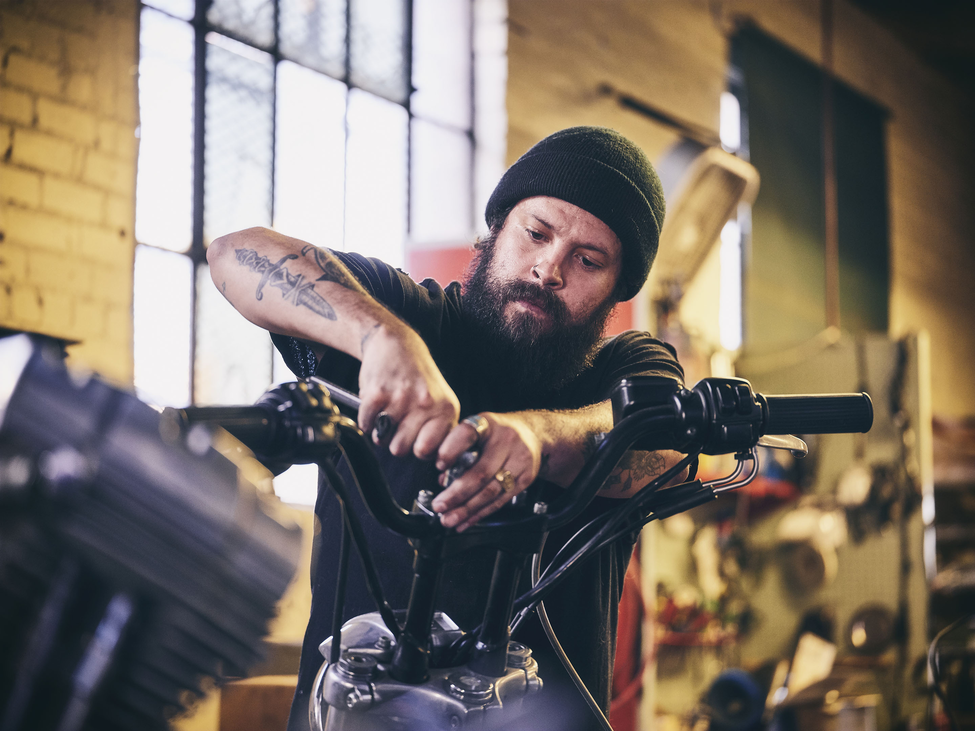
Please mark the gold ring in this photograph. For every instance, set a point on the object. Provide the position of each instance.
(479, 424)
(506, 480)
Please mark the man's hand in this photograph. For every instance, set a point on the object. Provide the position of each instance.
(519, 447)
(400, 379)
(511, 457)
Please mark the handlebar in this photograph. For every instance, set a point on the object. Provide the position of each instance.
(297, 421)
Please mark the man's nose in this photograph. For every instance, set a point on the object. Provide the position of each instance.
(548, 273)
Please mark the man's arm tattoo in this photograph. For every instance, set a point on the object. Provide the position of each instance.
(294, 286)
(634, 470)
(332, 271)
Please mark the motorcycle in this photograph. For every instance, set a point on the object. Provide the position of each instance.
(417, 668)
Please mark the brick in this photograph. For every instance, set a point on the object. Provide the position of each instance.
(111, 361)
(57, 312)
(119, 324)
(47, 45)
(62, 272)
(128, 143)
(4, 304)
(18, 32)
(109, 173)
(127, 100)
(104, 245)
(80, 88)
(25, 306)
(17, 106)
(79, 51)
(34, 228)
(105, 93)
(72, 199)
(20, 186)
(44, 152)
(13, 263)
(125, 40)
(89, 319)
(107, 136)
(120, 214)
(66, 120)
(27, 73)
(113, 284)
(74, 14)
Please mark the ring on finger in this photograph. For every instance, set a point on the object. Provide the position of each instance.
(506, 480)
(479, 424)
(384, 425)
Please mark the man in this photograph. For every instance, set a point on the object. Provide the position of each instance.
(574, 225)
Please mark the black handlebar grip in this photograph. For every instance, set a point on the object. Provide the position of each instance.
(834, 413)
(252, 425)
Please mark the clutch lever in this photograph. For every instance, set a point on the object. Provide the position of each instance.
(384, 424)
(795, 445)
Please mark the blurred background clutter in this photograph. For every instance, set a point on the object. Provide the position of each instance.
(819, 167)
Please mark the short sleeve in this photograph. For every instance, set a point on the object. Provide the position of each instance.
(634, 353)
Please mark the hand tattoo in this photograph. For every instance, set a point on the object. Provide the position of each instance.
(294, 286)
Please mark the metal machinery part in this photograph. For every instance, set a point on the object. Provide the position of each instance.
(358, 692)
(135, 561)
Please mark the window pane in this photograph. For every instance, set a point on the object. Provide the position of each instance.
(440, 197)
(164, 184)
(233, 356)
(161, 297)
(375, 212)
(309, 193)
(252, 20)
(312, 32)
(239, 129)
(180, 8)
(442, 61)
(379, 47)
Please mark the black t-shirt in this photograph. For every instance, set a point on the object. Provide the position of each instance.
(583, 609)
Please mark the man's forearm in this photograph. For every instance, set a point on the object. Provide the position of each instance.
(291, 287)
(569, 438)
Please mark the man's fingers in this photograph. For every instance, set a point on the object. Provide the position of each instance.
(431, 435)
(462, 438)
(369, 409)
(479, 497)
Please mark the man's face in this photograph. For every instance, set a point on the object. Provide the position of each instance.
(562, 263)
(541, 291)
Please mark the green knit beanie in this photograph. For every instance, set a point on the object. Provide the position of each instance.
(603, 173)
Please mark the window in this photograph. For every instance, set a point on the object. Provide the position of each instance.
(348, 123)
(781, 97)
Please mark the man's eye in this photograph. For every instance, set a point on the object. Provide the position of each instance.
(589, 263)
(536, 235)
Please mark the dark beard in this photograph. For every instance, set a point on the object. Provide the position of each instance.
(522, 354)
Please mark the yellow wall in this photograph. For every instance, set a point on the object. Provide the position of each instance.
(68, 115)
(674, 56)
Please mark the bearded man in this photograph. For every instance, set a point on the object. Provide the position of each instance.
(574, 226)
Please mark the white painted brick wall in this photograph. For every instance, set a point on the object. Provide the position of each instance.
(68, 113)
